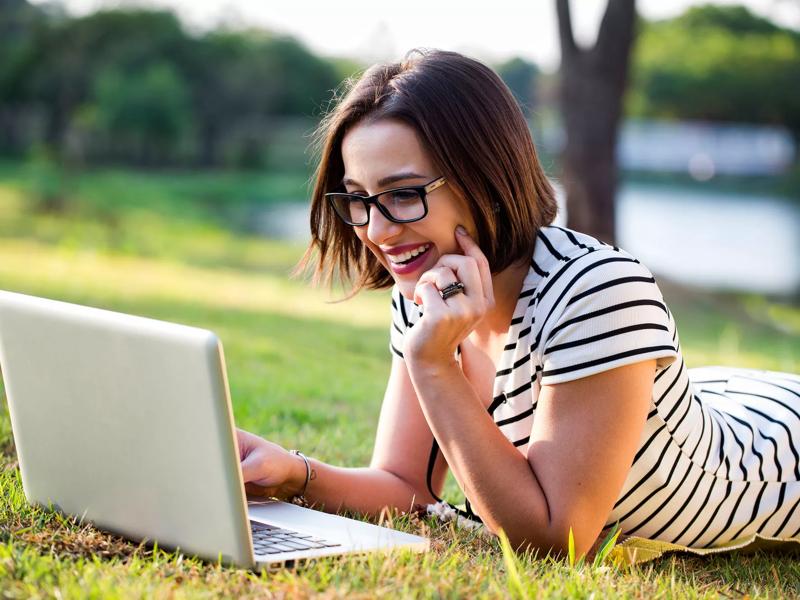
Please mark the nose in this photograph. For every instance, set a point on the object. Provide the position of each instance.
(379, 228)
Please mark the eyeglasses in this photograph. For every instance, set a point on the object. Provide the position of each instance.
(400, 205)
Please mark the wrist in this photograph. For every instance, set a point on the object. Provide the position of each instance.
(431, 366)
(296, 482)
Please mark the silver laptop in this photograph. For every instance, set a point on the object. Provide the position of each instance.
(126, 422)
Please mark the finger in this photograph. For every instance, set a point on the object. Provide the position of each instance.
(440, 276)
(445, 277)
(259, 490)
(241, 442)
(250, 467)
(472, 249)
(427, 294)
(429, 277)
(467, 272)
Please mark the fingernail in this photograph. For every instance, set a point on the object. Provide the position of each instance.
(460, 229)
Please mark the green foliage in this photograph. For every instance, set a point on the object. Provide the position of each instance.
(347, 67)
(521, 77)
(17, 47)
(571, 549)
(146, 110)
(131, 85)
(49, 182)
(734, 19)
(717, 63)
(513, 566)
(606, 546)
(220, 198)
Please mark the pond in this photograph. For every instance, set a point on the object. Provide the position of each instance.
(713, 240)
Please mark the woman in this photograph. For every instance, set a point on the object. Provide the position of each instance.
(542, 362)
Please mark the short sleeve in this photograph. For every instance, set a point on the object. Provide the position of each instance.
(609, 313)
(404, 315)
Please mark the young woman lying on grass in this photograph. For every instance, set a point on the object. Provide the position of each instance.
(543, 363)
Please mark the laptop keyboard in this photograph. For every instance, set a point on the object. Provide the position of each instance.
(268, 539)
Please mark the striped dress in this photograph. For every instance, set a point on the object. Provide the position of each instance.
(719, 458)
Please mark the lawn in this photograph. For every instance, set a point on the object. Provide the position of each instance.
(179, 264)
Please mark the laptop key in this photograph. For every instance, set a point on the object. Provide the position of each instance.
(282, 548)
(271, 551)
(270, 539)
(295, 545)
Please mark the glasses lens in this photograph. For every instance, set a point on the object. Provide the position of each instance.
(352, 210)
(403, 205)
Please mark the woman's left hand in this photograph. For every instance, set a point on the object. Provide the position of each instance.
(446, 323)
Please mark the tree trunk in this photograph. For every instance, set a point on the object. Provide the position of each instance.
(592, 85)
(209, 143)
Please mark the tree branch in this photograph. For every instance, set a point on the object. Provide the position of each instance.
(568, 46)
(616, 31)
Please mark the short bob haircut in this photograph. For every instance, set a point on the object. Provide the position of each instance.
(474, 131)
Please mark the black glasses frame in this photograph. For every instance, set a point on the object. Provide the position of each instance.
(422, 190)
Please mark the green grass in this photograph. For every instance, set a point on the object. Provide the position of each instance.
(113, 194)
(192, 271)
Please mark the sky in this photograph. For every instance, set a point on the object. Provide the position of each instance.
(371, 30)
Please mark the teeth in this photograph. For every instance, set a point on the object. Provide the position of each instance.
(399, 258)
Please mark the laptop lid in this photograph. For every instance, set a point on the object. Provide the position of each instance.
(127, 422)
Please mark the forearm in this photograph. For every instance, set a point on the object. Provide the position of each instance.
(366, 490)
(494, 475)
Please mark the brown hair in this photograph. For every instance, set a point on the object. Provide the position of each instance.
(476, 135)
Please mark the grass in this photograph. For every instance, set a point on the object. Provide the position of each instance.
(112, 194)
(192, 271)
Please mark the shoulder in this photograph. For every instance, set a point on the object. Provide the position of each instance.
(556, 246)
(577, 266)
(597, 307)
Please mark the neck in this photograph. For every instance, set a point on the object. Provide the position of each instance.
(507, 287)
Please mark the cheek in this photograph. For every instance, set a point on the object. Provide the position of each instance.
(361, 234)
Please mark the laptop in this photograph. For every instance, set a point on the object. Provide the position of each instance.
(126, 422)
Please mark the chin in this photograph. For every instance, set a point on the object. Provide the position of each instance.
(406, 288)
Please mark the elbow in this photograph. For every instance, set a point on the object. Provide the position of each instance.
(416, 490)
(552, 540)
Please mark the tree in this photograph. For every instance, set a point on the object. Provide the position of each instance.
(132, 85)
(72, 52)
(242, 79)
(592, 83)
(146, 111)
(520, 76)
(18, 22)
(717, 63)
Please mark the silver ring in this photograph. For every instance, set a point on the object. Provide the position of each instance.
(451, 290)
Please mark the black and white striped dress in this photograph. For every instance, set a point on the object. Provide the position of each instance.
(719, 458)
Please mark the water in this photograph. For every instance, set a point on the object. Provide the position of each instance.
(713, 240)
(705, 239)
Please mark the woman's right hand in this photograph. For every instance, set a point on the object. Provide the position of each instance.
(268, 469)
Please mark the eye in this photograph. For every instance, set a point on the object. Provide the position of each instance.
(405, 196)
(343, 189)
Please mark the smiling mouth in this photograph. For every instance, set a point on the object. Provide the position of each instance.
(407, 257)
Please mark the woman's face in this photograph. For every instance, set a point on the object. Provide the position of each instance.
(373, 152)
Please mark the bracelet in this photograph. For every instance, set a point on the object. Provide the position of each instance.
(300, 499)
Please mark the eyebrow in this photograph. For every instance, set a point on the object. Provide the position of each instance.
(388, 179)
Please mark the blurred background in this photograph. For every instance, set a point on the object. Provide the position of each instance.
(181, 130)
